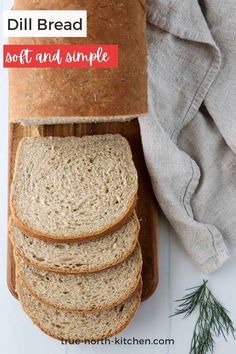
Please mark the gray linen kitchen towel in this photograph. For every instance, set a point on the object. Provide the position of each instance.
(189, 134)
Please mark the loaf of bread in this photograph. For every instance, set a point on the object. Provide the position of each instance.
(84, 292)
(70, 95)
(78, 326)
(79, 257)
(73, 189)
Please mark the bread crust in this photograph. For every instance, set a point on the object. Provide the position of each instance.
(97, 309)
(66, 93)
(138, 302)
(68, 271)
(122, 220)
(116, 225)
(73, 120)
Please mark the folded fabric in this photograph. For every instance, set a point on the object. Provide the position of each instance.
(189, 137)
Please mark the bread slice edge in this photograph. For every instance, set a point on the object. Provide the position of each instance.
(83, 237)
(65, 271)
(103, 231)
(48, 120)
(126, 296)
(120, 329)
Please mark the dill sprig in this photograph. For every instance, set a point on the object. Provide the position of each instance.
(213, 319)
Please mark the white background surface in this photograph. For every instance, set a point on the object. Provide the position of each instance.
(19, 336)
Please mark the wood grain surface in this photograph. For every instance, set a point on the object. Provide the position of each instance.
(146, 208)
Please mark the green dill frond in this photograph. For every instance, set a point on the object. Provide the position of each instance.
(213, 319)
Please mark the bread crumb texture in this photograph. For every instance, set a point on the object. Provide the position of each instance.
(73, 187)
(78, 257)
(78, 326)
(85, 292)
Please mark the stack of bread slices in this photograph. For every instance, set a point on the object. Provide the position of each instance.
(75, 235)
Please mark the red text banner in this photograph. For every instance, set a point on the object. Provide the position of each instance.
(60, 56)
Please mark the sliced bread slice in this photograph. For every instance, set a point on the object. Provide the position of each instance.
(78, 326)
(79, 257)
(70, 189)
(84, 292)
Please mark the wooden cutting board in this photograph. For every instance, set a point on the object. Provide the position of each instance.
(146, 208)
